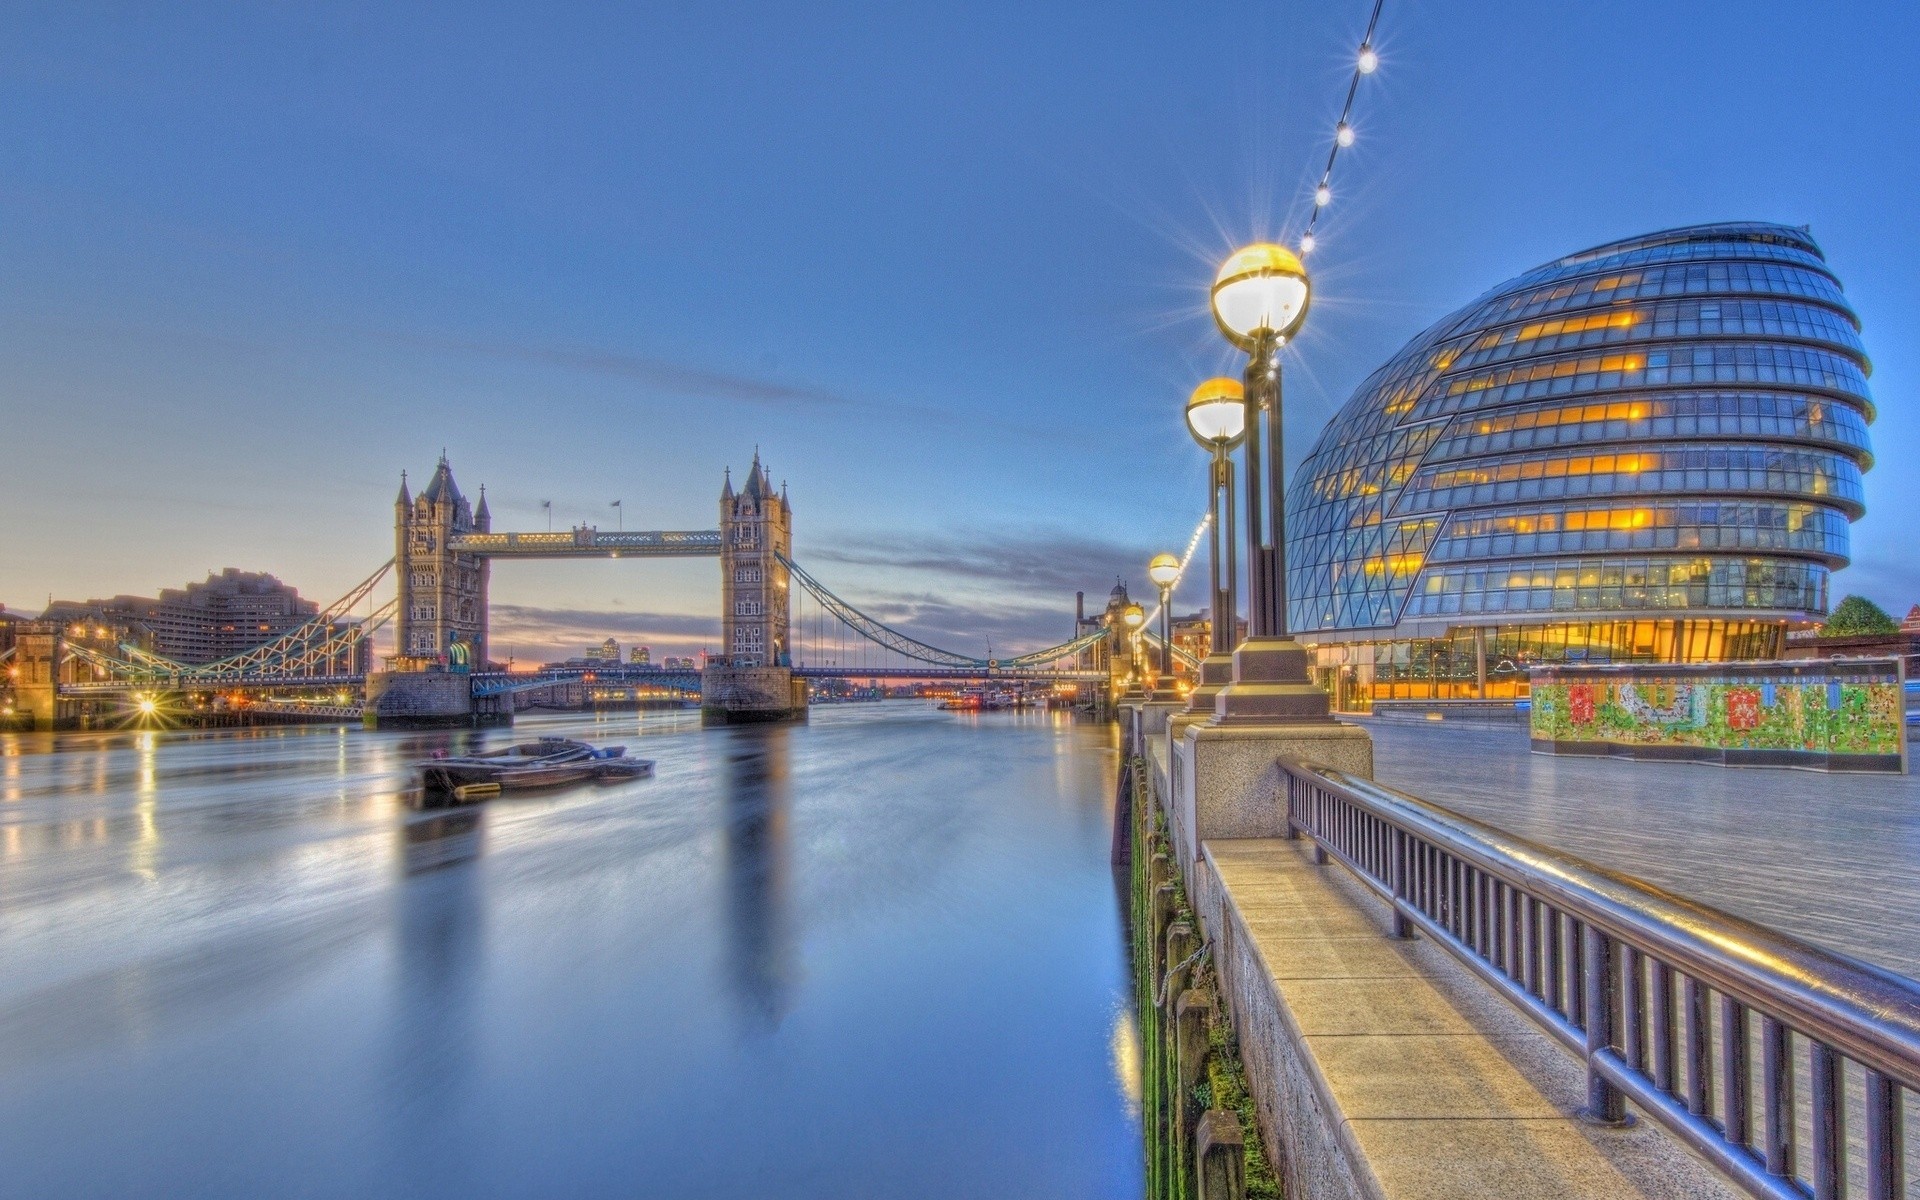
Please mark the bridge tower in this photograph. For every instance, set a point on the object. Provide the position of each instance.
(443, 594)
(752, 679)
(755, 525)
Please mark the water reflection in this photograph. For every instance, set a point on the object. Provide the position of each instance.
(259, 965)
(439, 951)
(761, 966)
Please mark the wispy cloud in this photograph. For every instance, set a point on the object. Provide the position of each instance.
(678, 378)
(1032, 564)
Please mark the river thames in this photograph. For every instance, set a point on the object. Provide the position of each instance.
(879, 954)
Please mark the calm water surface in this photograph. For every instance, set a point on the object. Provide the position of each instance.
(876, 955)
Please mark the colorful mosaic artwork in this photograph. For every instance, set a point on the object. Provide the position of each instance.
(1792, 710)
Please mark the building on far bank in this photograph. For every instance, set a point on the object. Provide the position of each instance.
(1649, 451)
(224, 615)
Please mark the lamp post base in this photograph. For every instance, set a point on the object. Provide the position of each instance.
(1270, 686)
(1216, 672)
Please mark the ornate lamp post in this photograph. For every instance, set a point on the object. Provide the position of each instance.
(1217, 419)
(1260, 299)
(1134, 617)
(1163, 571)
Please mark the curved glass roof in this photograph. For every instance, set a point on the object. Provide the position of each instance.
(1672, 424)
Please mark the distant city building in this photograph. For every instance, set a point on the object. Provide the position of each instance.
(1193, 634)
(606, 652)
(1649, 451)
(641, 656)
(224, 615)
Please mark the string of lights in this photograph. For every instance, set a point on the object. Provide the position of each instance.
(1365, 63)
(1193, 545)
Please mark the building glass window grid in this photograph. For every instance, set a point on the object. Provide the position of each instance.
(1694, 525)
(1657, 416)
(1661, 366)
(1662, 321)
(1747, 279)
(1353, 563)
(1649, 469)
(1619, 585)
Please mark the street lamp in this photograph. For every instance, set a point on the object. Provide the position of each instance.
(1163, 571)
(1217, 419)
(1134, 617)
(1260, 299)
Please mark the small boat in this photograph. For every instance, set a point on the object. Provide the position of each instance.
(549, 762)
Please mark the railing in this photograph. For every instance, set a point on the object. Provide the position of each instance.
(1669, 1003)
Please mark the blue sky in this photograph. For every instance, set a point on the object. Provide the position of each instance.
(944, 264)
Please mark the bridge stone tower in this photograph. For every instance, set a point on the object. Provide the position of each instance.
(442, 614)
(752, 678)
(755, 526)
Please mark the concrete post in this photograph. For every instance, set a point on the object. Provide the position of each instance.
(1182, 941)
(1192, 1013)
(1219, 1156)
(1162, 910)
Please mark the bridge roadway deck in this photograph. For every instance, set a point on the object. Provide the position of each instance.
(1833, 859)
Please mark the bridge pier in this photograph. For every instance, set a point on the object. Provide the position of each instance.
(751, 695)
(427, 700)
(36, 685)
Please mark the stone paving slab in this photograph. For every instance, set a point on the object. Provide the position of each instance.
(1422, 1079)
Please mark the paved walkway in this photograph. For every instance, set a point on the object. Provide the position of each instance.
(1833, 859)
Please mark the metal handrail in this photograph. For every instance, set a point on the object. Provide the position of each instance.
(1624, 973)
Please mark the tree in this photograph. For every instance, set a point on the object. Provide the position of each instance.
(1857, 615)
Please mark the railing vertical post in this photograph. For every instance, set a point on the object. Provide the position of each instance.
(1776, 1087)
(1633, 1041)
(1699, 1040)
(1886, 1149)
(1402, 928)
(1606, 1104)
(1829, 1128)
(1660, 1026)
(1735, 1072)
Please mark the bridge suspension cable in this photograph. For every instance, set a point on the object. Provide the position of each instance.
(310, 649)
(892, 639)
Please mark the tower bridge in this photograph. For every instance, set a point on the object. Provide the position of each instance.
(444, 550)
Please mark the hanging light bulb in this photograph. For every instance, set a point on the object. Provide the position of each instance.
(1323, 195)
(1343, 134)
(1307, 244)
(1369, 61)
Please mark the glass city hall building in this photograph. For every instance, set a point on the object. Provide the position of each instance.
(1645, 452)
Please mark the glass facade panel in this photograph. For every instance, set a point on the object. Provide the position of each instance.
(1727, 524)
(1676, 423)
(1713, 468)
(1657, 416)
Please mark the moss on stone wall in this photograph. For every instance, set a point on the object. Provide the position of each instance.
(1167, 1115)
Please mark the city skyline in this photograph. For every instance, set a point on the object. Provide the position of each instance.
(976, 279)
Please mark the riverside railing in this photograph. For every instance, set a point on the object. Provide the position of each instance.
(1669, 1003)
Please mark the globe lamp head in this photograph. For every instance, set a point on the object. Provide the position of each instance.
(1261, 291)
(1217, 413)
(1134, 616)
(1163, 570)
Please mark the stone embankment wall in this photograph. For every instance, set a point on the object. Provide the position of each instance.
(1201, 1134)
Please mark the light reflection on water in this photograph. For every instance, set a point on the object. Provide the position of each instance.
(878, 954)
